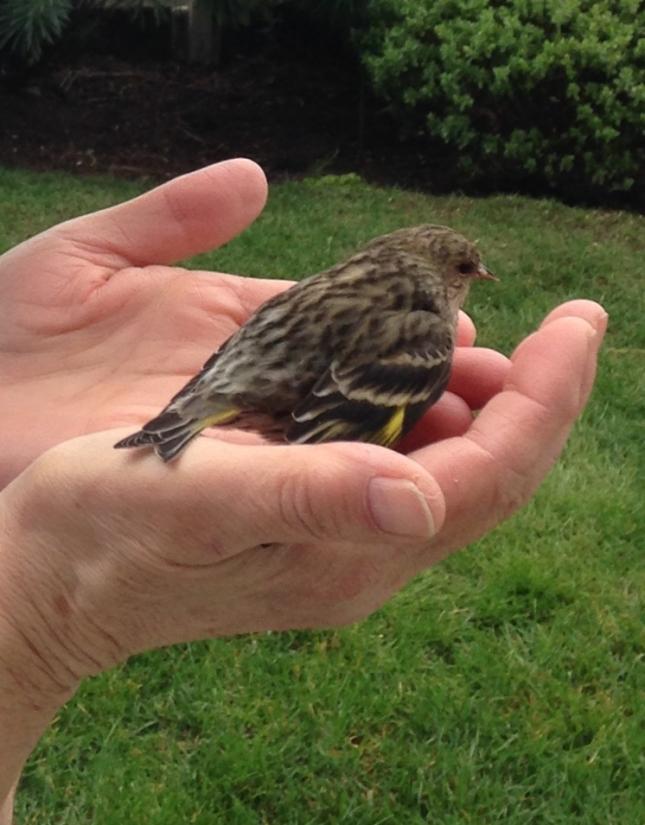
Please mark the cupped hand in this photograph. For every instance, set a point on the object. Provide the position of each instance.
(98, 331)
(115, 553)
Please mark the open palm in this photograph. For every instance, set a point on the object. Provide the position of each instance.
(97, 331)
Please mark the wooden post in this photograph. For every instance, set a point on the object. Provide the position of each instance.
(179, 30)
(200, 32)
(193, 36)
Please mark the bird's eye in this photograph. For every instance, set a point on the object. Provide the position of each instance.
(466, 268)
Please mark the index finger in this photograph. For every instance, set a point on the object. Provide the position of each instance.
(494, 469)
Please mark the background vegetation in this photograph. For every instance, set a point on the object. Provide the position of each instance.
(505, 685)
(547, 96)
(553, 89)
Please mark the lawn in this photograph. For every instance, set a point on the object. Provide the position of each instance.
(505, 685)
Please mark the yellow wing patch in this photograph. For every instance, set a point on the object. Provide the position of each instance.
(392, 430)
(219, 418)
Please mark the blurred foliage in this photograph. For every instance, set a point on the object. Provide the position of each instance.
(26, 26)
(341, 16)
(552, 90)
(234, 13)
(547, 95)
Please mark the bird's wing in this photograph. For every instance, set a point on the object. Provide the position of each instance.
(377, 396)
(208, 364)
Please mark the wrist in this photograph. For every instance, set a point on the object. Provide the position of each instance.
(34, 643)
(35, 677)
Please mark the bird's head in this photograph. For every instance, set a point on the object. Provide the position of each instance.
(451, 256)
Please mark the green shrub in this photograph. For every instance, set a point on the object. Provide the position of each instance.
(547, 89)
(28, 25)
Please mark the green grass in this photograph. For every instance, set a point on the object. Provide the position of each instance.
(505, 685)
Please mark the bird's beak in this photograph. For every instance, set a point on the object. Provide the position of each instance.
(484, 274)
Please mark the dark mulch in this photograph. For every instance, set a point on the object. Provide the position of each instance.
(292, 114)
(295, 104)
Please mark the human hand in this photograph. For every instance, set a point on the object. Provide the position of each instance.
(117, 553)
(96, 331)
(103, 555)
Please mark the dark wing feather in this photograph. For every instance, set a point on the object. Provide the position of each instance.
(378, 396)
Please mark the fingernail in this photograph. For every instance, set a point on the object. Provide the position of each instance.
(398, 507)
(601, 325)
(593, 345)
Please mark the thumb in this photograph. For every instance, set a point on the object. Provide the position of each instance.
(297, 494)
(193, 213)
(219, 498)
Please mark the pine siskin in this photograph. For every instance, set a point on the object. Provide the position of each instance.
(358, 352)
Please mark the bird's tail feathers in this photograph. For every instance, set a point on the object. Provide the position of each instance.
(172, 445)
(169, 433)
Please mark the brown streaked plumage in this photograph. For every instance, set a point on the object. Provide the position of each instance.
(357, 352)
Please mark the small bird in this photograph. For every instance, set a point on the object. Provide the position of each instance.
(355, 353)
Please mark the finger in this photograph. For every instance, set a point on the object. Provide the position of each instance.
(590, 311)
(466, 331)
(449, 417)
(478, 374)
(237, 496)
(320, 493)
(596, 315)
(486, 475)
(190, 214)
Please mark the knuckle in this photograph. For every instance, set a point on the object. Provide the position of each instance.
(299, 508)
(510, 496)
(511, 488)
(513, 491)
